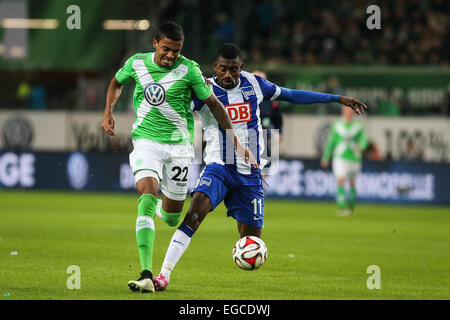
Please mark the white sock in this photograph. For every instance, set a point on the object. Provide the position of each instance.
(178, 245)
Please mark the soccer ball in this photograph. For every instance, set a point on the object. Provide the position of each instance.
(249, 253)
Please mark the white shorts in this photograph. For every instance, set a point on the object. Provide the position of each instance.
(168, 163)
(345, 169)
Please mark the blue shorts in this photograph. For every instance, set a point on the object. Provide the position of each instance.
(242, 194)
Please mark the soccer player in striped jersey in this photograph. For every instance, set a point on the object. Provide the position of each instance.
(163, 134)
(226, 177)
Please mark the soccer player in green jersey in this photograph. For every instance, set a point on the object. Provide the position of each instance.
(346, 142)
(163, 134)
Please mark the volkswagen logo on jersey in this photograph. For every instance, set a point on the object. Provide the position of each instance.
(154, 94)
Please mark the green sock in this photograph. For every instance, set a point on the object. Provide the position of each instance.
(352, 197)
(145, 229)
(340, 197)
(171, 219)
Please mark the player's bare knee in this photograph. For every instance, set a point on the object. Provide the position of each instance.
(147, 185)
(144, 191)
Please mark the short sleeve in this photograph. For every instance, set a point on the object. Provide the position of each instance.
(201, 89)
(125, 74)
(269, 90)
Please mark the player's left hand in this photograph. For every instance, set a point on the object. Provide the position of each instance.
(357, 106)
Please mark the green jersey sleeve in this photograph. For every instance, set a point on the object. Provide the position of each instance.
(125, 74)
(201, 89)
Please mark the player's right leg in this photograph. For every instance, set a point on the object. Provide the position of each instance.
(145, 232)
(147, 169)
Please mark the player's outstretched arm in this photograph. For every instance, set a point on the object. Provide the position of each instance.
(218, 111)
(112, 96)
(310, 97)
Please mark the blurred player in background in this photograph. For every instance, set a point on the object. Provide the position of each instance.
(226, 177)
(162, 134)
(346, 142)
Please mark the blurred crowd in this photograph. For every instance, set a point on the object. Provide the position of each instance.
(300, 33)
(327, 32)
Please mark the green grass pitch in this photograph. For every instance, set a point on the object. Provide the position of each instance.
(312, 253)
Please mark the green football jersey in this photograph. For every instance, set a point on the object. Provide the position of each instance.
(346, 141)
(162, 97)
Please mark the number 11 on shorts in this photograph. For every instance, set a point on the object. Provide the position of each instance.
(255, 206)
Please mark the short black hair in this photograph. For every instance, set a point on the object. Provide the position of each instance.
(229, 51)
(170, 30)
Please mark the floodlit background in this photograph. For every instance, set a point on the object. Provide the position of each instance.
(58, 56)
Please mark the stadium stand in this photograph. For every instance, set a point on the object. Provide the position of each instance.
(304, 44)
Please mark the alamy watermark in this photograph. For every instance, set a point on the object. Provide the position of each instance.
(374, 280)
(73, 22)
(374, 20)
(74, 280)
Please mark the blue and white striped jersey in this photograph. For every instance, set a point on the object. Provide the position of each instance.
(242, 104)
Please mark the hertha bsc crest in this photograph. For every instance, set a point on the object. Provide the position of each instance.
(154, 94)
